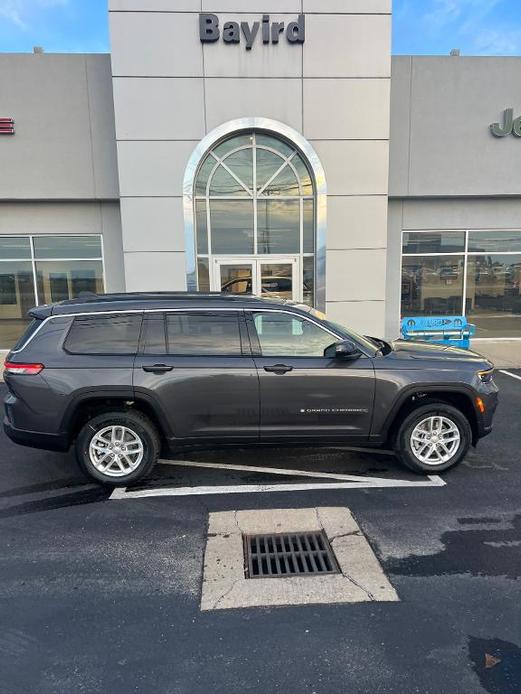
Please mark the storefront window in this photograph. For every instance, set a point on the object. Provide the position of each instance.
(254, 197)
(43, 269)
(432, 285)
(493, 295)
(483, 281)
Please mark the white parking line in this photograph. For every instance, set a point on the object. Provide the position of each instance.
(343, 482)
(271, 471)
(507, 373)
(121, 493)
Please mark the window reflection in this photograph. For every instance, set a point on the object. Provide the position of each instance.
(61, 280)
(494, 295)
(309, 226)
(282, 335)
(241, 163)
(432, 285)
(232, 226)
(494, 241)
(285, 183)
(16, 299)
(15, 247)
(434, 242)
(203, 274)
(277, 280)
(309, 281)
(201, 226)
(268, 164)
(55, 247)
(224, 184)
(64, 277)
(278, 226)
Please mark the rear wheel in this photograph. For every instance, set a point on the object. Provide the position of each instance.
(117, 448)
(433, 438)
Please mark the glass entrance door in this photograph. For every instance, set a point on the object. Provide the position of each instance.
(276, 277)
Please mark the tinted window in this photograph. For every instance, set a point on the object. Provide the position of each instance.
(116, 334)
(494, 241)
(15, 247)
(77, 247)
(434, 242)
(195, 334)
(432, 285)
(153, 335)
(31, 329)
(283, 335)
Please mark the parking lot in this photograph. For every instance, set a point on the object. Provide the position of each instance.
(101, 591)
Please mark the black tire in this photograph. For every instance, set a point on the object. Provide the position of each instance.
(137, 423)
(404, 449)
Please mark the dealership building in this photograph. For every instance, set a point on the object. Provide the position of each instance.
(266, 146)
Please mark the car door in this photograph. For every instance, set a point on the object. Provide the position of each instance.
(304, 394)
(196, 368)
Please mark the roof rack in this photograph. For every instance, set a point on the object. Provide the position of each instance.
(89, 297)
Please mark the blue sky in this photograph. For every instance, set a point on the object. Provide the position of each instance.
(477, 27)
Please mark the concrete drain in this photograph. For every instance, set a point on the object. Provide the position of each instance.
(324, 559)
(288, 554)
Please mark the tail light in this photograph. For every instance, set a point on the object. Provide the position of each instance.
(23, 369)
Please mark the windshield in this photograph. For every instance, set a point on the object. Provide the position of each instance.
(341, 330)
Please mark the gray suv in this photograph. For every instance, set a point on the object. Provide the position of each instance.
(123, 377)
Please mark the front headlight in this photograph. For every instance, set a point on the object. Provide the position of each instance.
(486, 376)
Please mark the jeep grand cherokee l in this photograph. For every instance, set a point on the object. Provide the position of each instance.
(122, 377)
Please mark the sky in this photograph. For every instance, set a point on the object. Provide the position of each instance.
(428, 27)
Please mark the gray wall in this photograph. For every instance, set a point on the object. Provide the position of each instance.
(170, 91)
(64, 147)
(441, 109)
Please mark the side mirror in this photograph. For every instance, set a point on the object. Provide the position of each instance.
(346, 350)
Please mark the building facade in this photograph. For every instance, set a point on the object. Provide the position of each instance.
(270, 147)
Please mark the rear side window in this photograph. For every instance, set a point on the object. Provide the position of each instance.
(115, 334)
(28, 333)
(200, 334)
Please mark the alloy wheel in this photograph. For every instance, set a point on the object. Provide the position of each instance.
(116, 451)
(435, 440)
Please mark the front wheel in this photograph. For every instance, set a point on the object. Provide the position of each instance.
(433, 438)
(117, 448)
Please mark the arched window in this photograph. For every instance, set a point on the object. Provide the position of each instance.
(254, 211)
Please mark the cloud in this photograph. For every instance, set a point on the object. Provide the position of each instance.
(498, 42)
(445, 12)
(19, 12)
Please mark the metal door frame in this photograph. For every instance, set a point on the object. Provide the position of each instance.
(256, 262)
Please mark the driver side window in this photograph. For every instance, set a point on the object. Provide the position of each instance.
(285, 335)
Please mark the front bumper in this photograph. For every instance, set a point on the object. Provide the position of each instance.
(485, 420)
(35, 439)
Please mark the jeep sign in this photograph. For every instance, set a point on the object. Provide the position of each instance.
(237, 32)
(510, 126)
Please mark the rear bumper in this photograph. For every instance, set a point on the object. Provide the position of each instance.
(35, 439)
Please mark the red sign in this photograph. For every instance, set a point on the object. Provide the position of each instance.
(6, 126)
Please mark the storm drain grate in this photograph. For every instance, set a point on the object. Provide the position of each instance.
(289, 554)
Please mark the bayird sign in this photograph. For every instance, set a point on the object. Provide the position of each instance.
(244, 32)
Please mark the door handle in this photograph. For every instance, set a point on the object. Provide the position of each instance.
(279, 369)
(158, 369)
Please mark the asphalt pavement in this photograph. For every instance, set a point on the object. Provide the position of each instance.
(101, 595)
